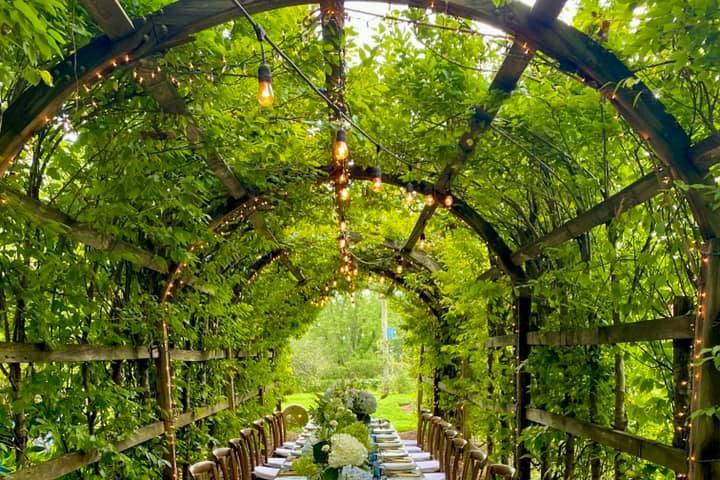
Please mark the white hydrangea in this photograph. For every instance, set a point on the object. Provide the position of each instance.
(346, 450)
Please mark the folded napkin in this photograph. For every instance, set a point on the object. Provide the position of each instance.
(380, 431)
(393, 454)
(399, 466)
(388, 444)
(390, 474)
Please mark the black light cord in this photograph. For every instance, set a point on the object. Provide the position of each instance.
(262, 36)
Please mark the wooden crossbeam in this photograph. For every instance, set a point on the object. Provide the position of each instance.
(503, 84)
(110, 16)
(646, 331)
(704, 154)
(474, 399)
(167, 96)
(70, 462)
(674, 458)
(63, 224)
(39, 353)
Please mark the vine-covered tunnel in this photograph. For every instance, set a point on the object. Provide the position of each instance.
(185, 185)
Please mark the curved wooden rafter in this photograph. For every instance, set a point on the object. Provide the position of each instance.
(574, 51)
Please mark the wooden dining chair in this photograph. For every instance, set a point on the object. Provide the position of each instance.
(249, 436)
(262, 436)
(423, 420)
(204, 471)
(455, 460)
(271, 422)
(498, 471)
(424, 441)
(242, 457)
(226, 463)
(444, 450)
(476, 463)
(280, 420)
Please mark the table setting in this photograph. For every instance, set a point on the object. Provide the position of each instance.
(342, 441)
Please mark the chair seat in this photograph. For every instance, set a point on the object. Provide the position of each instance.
(420, 456)
(412, 449)
(410, 443)
(434, 476)
(266, 473)
(429, 466)
(276, 461)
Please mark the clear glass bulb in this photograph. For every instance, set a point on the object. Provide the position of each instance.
(265, 95)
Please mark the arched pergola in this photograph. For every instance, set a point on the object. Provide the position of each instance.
(134, 43)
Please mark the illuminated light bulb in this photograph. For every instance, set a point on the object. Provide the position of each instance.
(399, 268)
(344, 194)
(342, 242)
(429, 200)
(448, 201)
(342, 179)
(340, 148)
(348, 278)
(376, 175)
(265, 95)
(422, 242)
(409, 193)
(343, 225)
(377, 184)
(334, 284)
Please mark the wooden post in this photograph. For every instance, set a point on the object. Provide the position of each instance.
(164, 396)
(681, 380)
(523, 308)
(436, 392)
(261, 396)
(420, 384)
(705, 429)
(231, 392)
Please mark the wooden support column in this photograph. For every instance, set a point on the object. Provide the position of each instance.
(705, 430)
(165, 402)
(523, 306)
(682, 352)
(420, 383)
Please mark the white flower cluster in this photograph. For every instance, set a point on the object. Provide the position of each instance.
(354, 473)
(346, 450)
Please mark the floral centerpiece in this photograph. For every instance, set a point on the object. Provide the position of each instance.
(339, 447)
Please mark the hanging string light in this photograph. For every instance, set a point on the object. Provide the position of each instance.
(422, 243)
(265, 94)
(448, 201)
(340, 148)
(410, 193)
(376, 175)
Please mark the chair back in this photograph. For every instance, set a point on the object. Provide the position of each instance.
(204, 471)
(499, 471)
(280, 420)
(422, 425)
(242, 457)
(455, 460)
(424, 436)
(274, 433)
(263, 440)
(226, 463)
(448, 434)
(250, 439)
(476, 462)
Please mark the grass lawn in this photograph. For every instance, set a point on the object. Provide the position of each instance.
(399, 408)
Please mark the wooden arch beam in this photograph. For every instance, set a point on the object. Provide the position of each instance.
(177, 22)
(502, 85)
